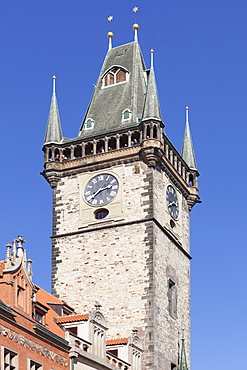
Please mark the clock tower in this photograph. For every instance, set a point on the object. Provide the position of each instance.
(122, 196)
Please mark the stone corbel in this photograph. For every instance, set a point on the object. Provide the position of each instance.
(52, 177)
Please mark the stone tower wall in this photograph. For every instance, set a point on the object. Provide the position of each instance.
(126, 264)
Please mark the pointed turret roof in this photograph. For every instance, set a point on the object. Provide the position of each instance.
(183, 361)
(152, 106)
(188, 150)
(53, 129)
(113, 95)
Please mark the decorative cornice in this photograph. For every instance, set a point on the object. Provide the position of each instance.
(49, 335)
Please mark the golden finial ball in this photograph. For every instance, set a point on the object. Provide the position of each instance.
(187, 108)
(135, 26)
(152, 51)
(54, 77)
(110, 35)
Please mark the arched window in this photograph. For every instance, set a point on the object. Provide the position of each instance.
(89, 124)
(148, 132)
(120, 76)
(66, 154)
(78, 151)
(100, 147)
(155, 132)
(126, 115)
(191, 180)
(112, 144)
(123, 141)
(114, 76)
(89, 149)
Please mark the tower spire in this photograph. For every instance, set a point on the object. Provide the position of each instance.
(187, 149)
(53, 129)
(151, 105)
(183, 361)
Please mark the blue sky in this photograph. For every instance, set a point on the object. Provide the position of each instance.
(200, 61)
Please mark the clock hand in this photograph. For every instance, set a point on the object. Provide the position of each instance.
(101, 189)
(173, 204)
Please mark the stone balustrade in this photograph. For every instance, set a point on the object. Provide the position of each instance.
(115, 361)
(77, 153)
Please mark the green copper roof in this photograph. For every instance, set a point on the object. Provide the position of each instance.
(188, 150)
(53, 129)
(109, 102)
(152, 106)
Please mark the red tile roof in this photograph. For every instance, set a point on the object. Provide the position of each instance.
(43, 297)
(112, 342)
(2, 264)
(72, 318)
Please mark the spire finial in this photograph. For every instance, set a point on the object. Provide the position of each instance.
(135, 25)
(152, 58)
(110, 33)
(54, 84)
(187, 114)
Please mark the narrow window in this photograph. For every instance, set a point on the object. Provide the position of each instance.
(172, 299)
(20, 297)
(148, 132)
(191, 182)
(78, 151)
(109, 79)
(121, 76)
(155, 132)
(173, 367)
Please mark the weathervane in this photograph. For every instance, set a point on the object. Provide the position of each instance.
(135, 25)
(110, 33)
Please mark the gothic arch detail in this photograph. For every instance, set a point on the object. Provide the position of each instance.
(115, 75)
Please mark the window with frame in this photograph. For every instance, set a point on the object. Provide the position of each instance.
(172, 299)
(39, 316)
(89, 124)
(114, 76)
(34, 365)
(10, 359)
(126, 115)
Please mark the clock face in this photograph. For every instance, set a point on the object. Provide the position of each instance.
(172, 202)
(101, 189)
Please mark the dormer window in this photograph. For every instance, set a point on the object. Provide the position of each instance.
(115, 76)
(39, 316)
(39, 312)
(89, 124)
(126, 115)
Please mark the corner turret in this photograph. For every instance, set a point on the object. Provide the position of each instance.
(188, 153)
(151, 106)
(53, 130)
